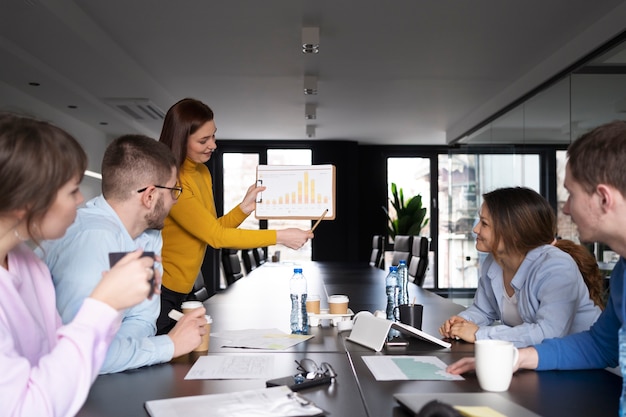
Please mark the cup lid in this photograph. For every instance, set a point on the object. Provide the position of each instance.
(191, 304)
(338, 298)
(312, 297)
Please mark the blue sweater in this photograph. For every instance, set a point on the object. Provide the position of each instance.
(596, 347)
(552, 299)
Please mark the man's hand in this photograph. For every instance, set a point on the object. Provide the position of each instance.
(528, 359)
(188, 332)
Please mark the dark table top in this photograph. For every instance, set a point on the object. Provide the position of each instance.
(261, 301)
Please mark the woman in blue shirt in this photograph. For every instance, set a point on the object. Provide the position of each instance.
(534, 289)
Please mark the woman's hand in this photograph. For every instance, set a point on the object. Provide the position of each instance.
(127, 283)
(293, 238)
(459, 328)
(445, 328)
(248, 205)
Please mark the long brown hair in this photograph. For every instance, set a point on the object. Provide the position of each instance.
(588, 268)
(522, 219)
(182, 120)
(36, 160)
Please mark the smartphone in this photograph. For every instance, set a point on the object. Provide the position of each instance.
(114, 257)
(299, 384)
(259, 196)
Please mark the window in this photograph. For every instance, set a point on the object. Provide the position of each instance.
(463, 179)
(239, 175)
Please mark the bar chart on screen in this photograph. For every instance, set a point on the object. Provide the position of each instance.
(296, 192)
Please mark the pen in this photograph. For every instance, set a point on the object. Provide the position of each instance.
(319, 220)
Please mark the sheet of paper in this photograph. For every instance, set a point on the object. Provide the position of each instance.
(273, 339)
(268, 402)
(477, 411)
(398, 368)
(232, 367)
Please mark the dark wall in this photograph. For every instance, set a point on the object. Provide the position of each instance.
(335, 240)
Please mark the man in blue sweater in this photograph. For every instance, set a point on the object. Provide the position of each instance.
(596, 180)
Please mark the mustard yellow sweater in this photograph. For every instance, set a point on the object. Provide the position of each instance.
(192, 224)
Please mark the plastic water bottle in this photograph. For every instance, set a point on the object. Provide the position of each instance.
(392, 289)
(622, 365)
(403, 283)
(299, 318)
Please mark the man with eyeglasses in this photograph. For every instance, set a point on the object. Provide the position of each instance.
(139, 187)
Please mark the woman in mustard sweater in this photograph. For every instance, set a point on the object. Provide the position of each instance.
(192, 224)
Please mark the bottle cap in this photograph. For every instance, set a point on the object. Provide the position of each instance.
(297, 270)
(402, 262)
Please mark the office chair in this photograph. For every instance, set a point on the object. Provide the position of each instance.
(199, 291)
(260, 255)
(401, 249)
(378, 250)
(231, 265)
(419, 260)
(249, 262)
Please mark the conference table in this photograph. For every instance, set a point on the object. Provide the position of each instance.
(260, 300)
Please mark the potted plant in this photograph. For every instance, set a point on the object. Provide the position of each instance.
(410, 218)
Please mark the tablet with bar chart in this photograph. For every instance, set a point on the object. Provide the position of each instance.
(296, 192)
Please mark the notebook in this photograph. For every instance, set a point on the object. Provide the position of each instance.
(480, 403)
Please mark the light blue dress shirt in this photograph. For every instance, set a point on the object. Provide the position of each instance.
(77, 262)
(552, 299)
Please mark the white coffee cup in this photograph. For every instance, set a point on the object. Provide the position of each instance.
(495, 360)
(338, 304)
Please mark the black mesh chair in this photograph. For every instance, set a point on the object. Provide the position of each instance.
(231, 265)
(401, 249)
(419, 260)
(199, 291)
(249, 262)
(378, 250)
(260, 256)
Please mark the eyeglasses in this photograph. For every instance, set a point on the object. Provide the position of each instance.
(176, 191)
(310, 370)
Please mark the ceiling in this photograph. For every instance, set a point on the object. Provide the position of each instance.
(401, 72)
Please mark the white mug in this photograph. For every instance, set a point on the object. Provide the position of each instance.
(495, 360)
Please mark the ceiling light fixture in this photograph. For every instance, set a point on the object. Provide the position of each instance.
(310, 131)
(310, 85)
(310, 111)
(310, 40)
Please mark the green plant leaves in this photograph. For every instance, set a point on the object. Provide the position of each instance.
(411, 218)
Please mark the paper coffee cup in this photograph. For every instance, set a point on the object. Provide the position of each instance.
(188, 306)
(338, 304)
(313, 304)
(204, 345)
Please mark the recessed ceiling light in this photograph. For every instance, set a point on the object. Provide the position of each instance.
(104, 123)
(310, 111)
(72, 106)
(34, 84)
(310, 85)
(310, 40)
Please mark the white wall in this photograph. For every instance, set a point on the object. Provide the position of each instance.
(93, 141)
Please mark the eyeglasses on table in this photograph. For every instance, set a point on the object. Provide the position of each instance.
(310, 370)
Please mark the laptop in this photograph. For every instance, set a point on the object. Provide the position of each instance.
(488, 401)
